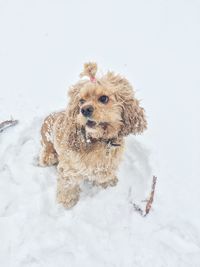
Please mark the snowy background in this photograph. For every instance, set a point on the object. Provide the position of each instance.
(156, 45)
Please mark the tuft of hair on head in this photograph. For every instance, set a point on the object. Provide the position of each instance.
(90, 70)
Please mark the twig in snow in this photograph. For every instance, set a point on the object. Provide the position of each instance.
(6, 124)
(138, 209)
(149, 201)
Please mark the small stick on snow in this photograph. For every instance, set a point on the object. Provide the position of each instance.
(138, 209)
(149, 201)
(6, 124)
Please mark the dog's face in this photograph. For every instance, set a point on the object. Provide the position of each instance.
(100, 112)
(106, 108)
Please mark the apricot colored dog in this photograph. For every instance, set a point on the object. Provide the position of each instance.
(86, 140)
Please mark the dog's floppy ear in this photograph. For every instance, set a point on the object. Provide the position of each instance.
(73, 137)
(133, 115)
(73, 107)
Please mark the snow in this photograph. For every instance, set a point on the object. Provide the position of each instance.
(155, 44)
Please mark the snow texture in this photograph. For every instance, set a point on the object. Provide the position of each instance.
(155, 44)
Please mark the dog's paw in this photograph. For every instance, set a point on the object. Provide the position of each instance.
(68, 198)
(48, 159)
(69, 203)
(105, 184)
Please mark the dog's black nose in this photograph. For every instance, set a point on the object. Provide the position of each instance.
(87, 111)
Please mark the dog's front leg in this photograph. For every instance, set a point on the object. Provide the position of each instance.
(68, 189)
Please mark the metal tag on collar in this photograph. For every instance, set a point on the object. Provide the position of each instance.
(108, 147)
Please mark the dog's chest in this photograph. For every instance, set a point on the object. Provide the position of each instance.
(102, 154)
(101, 158)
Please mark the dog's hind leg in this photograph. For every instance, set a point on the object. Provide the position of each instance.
(48, 155)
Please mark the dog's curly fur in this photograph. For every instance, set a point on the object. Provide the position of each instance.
(90, 147)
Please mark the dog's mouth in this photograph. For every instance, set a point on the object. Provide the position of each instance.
(91, 124)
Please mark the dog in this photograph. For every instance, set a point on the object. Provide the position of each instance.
(86, 140)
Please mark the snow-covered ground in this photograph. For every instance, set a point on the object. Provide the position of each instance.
(155, 44)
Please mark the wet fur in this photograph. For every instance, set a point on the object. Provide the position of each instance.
(82, 153)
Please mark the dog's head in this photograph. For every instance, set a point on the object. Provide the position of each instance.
(106, 107)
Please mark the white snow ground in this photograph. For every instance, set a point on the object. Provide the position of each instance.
(155, 44)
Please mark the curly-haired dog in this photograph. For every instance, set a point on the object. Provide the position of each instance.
(87, 139)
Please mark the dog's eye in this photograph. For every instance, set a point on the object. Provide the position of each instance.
(81, 101)
(104, 99)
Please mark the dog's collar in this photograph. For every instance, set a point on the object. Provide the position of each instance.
(111, 142)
